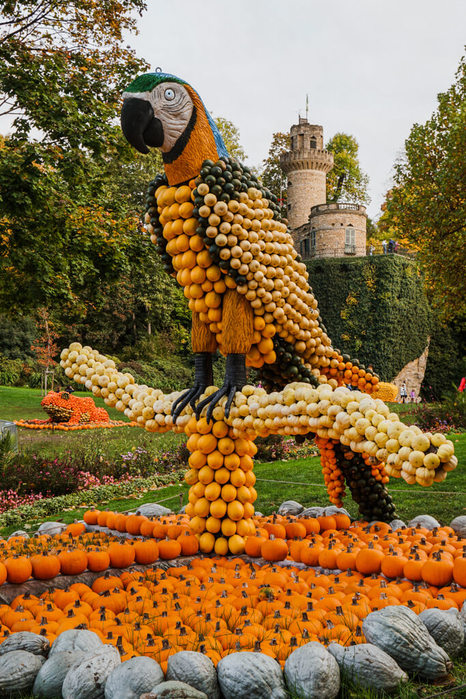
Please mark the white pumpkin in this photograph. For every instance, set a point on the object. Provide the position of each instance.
(49, 680)
(18, 670)
(26, 640)
(425, 521)
(399, 632)
(174, 690)
(249, 674)
(459, 525)
(133, 677)
(311, 672)
(368, 666)
(446, 628)
(196, 669)
(87, 680)
(76, 639)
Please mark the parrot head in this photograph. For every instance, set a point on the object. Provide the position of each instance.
(162, 111)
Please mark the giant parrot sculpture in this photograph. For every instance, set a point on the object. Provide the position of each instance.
(221, 235)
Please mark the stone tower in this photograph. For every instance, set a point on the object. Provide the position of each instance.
(306, 165)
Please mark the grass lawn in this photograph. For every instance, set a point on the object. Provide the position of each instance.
(17, 403)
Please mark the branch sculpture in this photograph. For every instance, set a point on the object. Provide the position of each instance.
(361, 442)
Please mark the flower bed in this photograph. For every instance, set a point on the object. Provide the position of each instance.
(65, 427)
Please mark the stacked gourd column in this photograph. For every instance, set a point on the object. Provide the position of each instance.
(222, 489)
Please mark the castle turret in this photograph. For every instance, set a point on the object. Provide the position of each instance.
(306, 165)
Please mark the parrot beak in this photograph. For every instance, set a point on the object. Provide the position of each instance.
(139, 125)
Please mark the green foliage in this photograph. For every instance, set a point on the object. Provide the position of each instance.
(94, 497)
(346, 180)
(272, 175)
(168, 374)
(446, 362)
(427, 204)
(63, 232)
(16, 337)
(231, 138)
(374, 309)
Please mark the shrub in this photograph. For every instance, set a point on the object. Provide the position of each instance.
(447, 416)
(280, 448)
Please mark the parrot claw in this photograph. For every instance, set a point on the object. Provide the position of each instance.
(202, 379)
(212, 401)
(235, 378)
(188, 397)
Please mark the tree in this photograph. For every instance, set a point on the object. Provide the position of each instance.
(273, 176)
(427, 204)
(231, 138)
(346, 180)
(45, 346)
(63, 229)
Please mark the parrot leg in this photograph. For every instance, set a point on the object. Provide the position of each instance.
(203, 377)
(235, 379)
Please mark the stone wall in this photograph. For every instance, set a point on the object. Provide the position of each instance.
(330, 222)
(306, 188)
(413, 373)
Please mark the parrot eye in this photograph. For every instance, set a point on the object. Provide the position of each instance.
(169, 94)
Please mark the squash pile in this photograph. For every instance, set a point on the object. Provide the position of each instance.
(436, 557)
(218, 606)
(385, 391)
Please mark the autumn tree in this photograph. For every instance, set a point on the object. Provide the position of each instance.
(272, 175)
(427, 204)
(346, 181)
(62, 230)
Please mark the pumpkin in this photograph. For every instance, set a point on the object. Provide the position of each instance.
(274, 549)
(121, 555)
(446, 628)
(196, 670)
(249, 674)
(87, 680)
(174, 689)
(310, 671)
(133, 677)
(25, 640)
(290, 507)
(49, 680)
(19, 569)
(399, 632)
(18, 670)
(73, 562)
(45, 566)
(146, 552)
(76, 639)
(368, 666)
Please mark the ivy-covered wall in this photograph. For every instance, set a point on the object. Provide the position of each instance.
(374, 309)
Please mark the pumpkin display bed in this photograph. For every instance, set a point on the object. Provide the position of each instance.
(303, 582)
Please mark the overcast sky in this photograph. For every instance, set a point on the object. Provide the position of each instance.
(372, 68)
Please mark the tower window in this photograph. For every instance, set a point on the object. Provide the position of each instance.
(313, 239)
(349, 236)
(293, 143)
(350, 242)
(313, 142)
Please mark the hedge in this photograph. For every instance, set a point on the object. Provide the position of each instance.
(374, 308)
